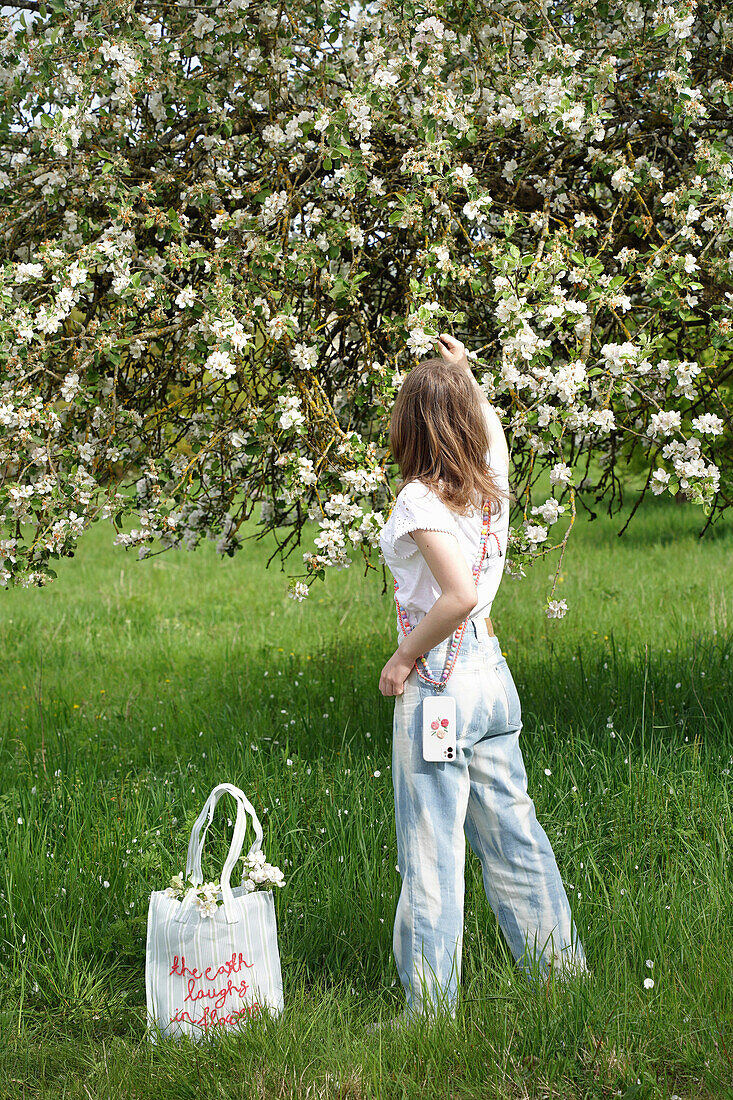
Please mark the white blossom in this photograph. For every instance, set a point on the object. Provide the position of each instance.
(273, 206)
(619, 356)
(664, 423)
(290, 411)
(550, 511)
(385, 78)
(659, 481)
(25, 272)
(622, 179)
(463, 173)
(299, 591)
(708, 424)
(419, 342)
(305, 356)
(535, 532)
(186, 297)
(70, 386)
(560, 474)
(355, 235)
(220, 365)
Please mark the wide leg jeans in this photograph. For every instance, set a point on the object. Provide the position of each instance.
(481, 794)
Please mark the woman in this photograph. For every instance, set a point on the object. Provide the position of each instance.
(440, 428)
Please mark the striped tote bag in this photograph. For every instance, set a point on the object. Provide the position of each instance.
(212, 967)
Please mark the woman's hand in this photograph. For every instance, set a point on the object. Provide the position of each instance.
(452, 350)
(394, 674)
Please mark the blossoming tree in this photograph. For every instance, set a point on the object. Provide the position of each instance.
(228, 231)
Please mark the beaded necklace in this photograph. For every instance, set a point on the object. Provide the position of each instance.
(455, 644)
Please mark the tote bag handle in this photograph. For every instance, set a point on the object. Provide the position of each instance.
(196, 844)
(198, 832)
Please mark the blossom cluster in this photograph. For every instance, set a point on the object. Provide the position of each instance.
(257, 875)
(205, 894)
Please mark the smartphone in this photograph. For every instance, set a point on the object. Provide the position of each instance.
(439, 728)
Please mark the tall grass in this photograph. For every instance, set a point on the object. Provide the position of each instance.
(131, 688)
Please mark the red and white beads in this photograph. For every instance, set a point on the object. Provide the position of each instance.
(457, 638)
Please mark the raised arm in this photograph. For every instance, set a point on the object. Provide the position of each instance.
(453, 351)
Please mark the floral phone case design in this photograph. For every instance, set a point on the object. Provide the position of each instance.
(439, 728)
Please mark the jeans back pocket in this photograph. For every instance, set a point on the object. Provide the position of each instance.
(510, 694)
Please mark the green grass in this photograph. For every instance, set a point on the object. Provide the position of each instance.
(131, 688)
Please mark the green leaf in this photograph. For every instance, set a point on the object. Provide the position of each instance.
(339, 288)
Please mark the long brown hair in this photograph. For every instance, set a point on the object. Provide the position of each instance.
(437, 430)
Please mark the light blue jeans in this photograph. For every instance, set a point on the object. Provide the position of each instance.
(482, 795)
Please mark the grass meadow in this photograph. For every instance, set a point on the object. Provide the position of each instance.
(130, 688)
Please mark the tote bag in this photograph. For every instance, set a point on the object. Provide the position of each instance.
(208, 973)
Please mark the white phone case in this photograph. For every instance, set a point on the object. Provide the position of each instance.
(439, 728)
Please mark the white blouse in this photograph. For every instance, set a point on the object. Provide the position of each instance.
(418, 507)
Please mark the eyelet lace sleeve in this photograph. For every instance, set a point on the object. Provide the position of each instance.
(416, 509)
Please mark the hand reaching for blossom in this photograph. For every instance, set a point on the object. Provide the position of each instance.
(452, 350)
